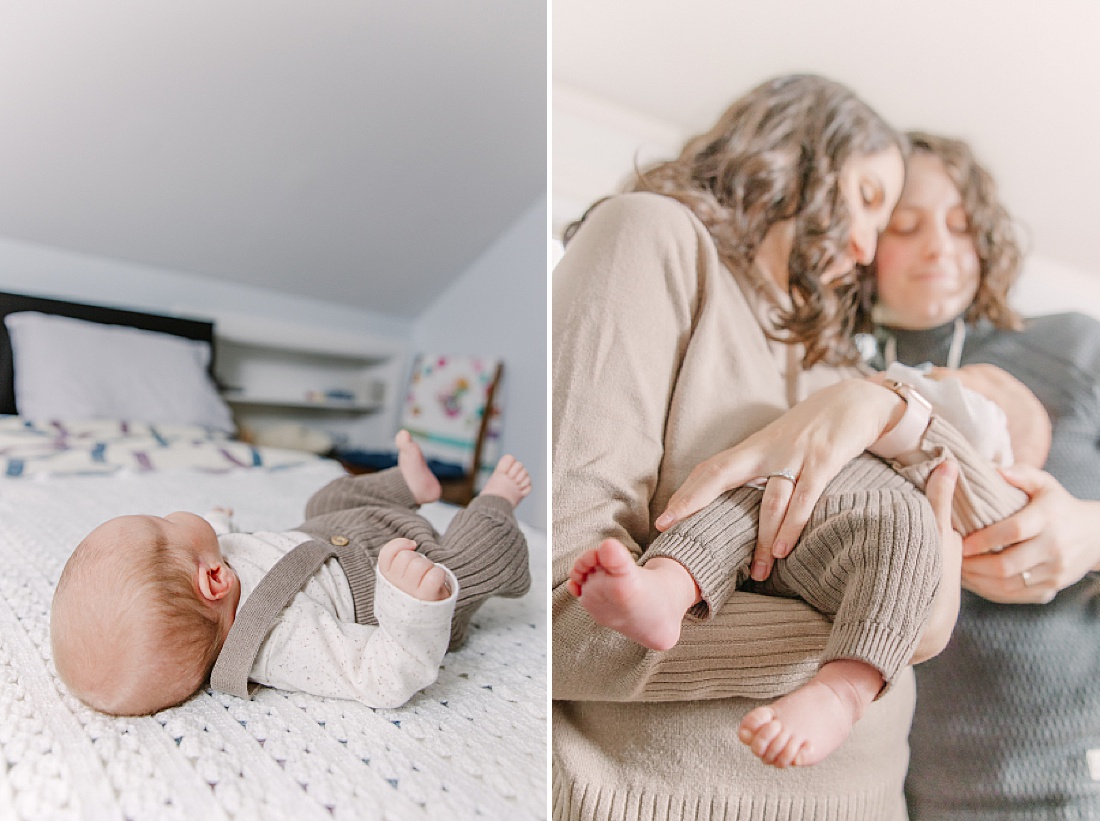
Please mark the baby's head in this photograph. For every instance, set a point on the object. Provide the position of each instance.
(141, 611)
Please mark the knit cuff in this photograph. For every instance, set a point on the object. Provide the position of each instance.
(715, 546)
(390, 483)
(492, 505)
(884, 648)
(715, 582)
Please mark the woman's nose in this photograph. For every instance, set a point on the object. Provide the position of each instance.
(863, 243)
(937, 239)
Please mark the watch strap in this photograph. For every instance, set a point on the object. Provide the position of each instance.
(905, 436)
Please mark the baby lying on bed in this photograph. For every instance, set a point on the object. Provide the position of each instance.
(148, 608)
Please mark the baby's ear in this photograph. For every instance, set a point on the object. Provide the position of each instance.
(215, 580)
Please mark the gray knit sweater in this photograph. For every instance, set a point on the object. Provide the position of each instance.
(1008, 712)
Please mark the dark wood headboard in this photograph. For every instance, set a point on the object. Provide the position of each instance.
(13, 303)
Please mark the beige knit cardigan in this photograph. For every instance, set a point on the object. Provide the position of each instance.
(659, 361)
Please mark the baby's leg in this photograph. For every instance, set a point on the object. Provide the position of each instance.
(871, 558)
(510, 480)
(404, 487)
(645, 603)
(805, 726)
(646, 600)
(717, 543)
(484, 546)
(414, 468)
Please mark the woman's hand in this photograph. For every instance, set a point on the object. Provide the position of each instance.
(1049, 545)
(945, 607)
(813, 440)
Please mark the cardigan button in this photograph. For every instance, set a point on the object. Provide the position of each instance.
(339, 541)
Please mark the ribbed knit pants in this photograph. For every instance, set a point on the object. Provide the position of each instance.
(869, 557)
(483, 544)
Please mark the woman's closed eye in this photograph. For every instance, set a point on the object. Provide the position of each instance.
(903, 223)
(871, 193)
(957, 222)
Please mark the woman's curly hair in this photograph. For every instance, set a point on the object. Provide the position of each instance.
(991, 226)
(775, 155)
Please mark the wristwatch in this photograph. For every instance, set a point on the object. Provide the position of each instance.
(905, 436)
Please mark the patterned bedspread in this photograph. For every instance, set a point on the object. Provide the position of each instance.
(473, 745)
(32, 448)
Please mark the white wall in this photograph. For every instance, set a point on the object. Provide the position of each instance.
(1049, 287)
(596, 146)
(52, 272)
(597, 143)
(498, 307)
(1018, 79)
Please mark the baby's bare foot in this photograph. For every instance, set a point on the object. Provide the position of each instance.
(412, 572)
(510, 480)
(421, 481)
(642, 603)
(805, 726)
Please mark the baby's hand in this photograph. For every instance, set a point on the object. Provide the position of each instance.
(412, 572)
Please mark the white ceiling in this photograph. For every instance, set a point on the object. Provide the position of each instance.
(1019, 79)
(357, 151)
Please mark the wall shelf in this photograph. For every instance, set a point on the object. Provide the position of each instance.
(290, 403)
(333, 380)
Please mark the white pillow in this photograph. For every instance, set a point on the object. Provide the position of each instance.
(71, 369)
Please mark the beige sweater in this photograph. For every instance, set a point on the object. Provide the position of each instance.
(660, 362)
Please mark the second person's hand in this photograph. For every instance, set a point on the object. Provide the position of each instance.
(1047, 546)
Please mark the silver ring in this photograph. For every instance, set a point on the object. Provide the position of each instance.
(1026, 576)
(787, 474)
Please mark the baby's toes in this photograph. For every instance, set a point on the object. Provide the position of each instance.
(778, 746)
(753, 721)
(789, 754)
(764, 736)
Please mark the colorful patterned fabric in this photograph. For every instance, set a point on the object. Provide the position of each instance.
(444, 406)
(32, 448)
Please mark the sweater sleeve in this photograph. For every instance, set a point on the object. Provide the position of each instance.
(312, 651)
(626, 295)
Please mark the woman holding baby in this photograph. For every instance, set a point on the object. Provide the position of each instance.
(690, 316)
(687, 320)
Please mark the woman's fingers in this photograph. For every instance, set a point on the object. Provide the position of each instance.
(1036, 587)
(1019, 575)
(940, 489)
(945, 606)
(1022, 525)
(800, 506)
(706, 482)
(1019, 527)
(773, 505)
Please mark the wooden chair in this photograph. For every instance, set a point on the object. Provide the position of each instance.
(452, 410)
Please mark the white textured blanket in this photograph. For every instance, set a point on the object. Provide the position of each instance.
(473, 745)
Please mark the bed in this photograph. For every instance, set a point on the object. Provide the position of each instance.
(472, 745)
